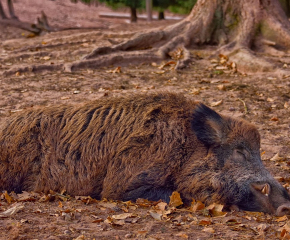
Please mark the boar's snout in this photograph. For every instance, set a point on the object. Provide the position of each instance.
(283, 210)
(270, 198)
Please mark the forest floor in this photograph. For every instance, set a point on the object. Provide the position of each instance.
(261, 98)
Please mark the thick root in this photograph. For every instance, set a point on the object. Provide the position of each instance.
(247, 61)
(33, 69)
(115, 59)
(183, 63)
(139, 41)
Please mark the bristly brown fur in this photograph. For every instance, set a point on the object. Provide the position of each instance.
(98, 148)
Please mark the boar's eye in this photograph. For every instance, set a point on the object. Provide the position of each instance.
(243, 152)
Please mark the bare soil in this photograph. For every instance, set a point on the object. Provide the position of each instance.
(261, 98)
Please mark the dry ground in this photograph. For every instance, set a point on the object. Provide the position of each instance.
(261, 98)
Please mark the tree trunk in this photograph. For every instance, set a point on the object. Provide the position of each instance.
(161, 15)
(286, 6)
(133, 14)
(2, 13)
(149, 10)
(11, 9)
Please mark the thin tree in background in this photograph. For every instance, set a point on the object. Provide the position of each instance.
(132, 4)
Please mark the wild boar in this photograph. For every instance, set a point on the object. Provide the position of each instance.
(141, 146)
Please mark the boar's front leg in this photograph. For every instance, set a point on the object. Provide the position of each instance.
(149, 192)
(152, 184)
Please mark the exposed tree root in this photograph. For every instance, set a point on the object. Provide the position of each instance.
(250, 62)
(238, 27)
(33, 69)
(114, 58)
(237, 36)
(53, 45)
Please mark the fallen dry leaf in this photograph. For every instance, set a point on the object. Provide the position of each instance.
(277, 158)
(182, 235)
(107, 204)
(205, 222)
(279, 179)
(143, 202)
(64, 98)
(8, 198)
(116, 70)
(274, 119)
(221, 68)
(214, 104)
(155, 215)
(209, 230)
(177, 54)
(286, 227)
(97, 219)
(161, 206)
(262, 227)
(198, 205)
(175, 200)
(232, 221)
(122, 216)
(27, 197)
(46, 58)
(167, 64)
(284, 234)
(222, 56)
(215, 210)
(112, 221)
(233, 65)
(282, 219)
(81, 237)
(195, 91)
(214, 61)
(13, 210)
(221, 87)
(119, 222)
(159, 72)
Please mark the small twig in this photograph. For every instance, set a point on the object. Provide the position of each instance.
(245, 106)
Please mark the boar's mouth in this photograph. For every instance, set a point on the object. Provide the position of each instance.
(269, 198)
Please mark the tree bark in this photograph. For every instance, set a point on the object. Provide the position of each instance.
(149, 10)
(11, 9)
(286, 6)
(2, 13)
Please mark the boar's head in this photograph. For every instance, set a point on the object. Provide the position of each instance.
(237, 175)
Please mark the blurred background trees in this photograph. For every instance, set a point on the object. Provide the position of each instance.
(175, 6)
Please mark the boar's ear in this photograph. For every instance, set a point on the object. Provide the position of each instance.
(209, 127)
